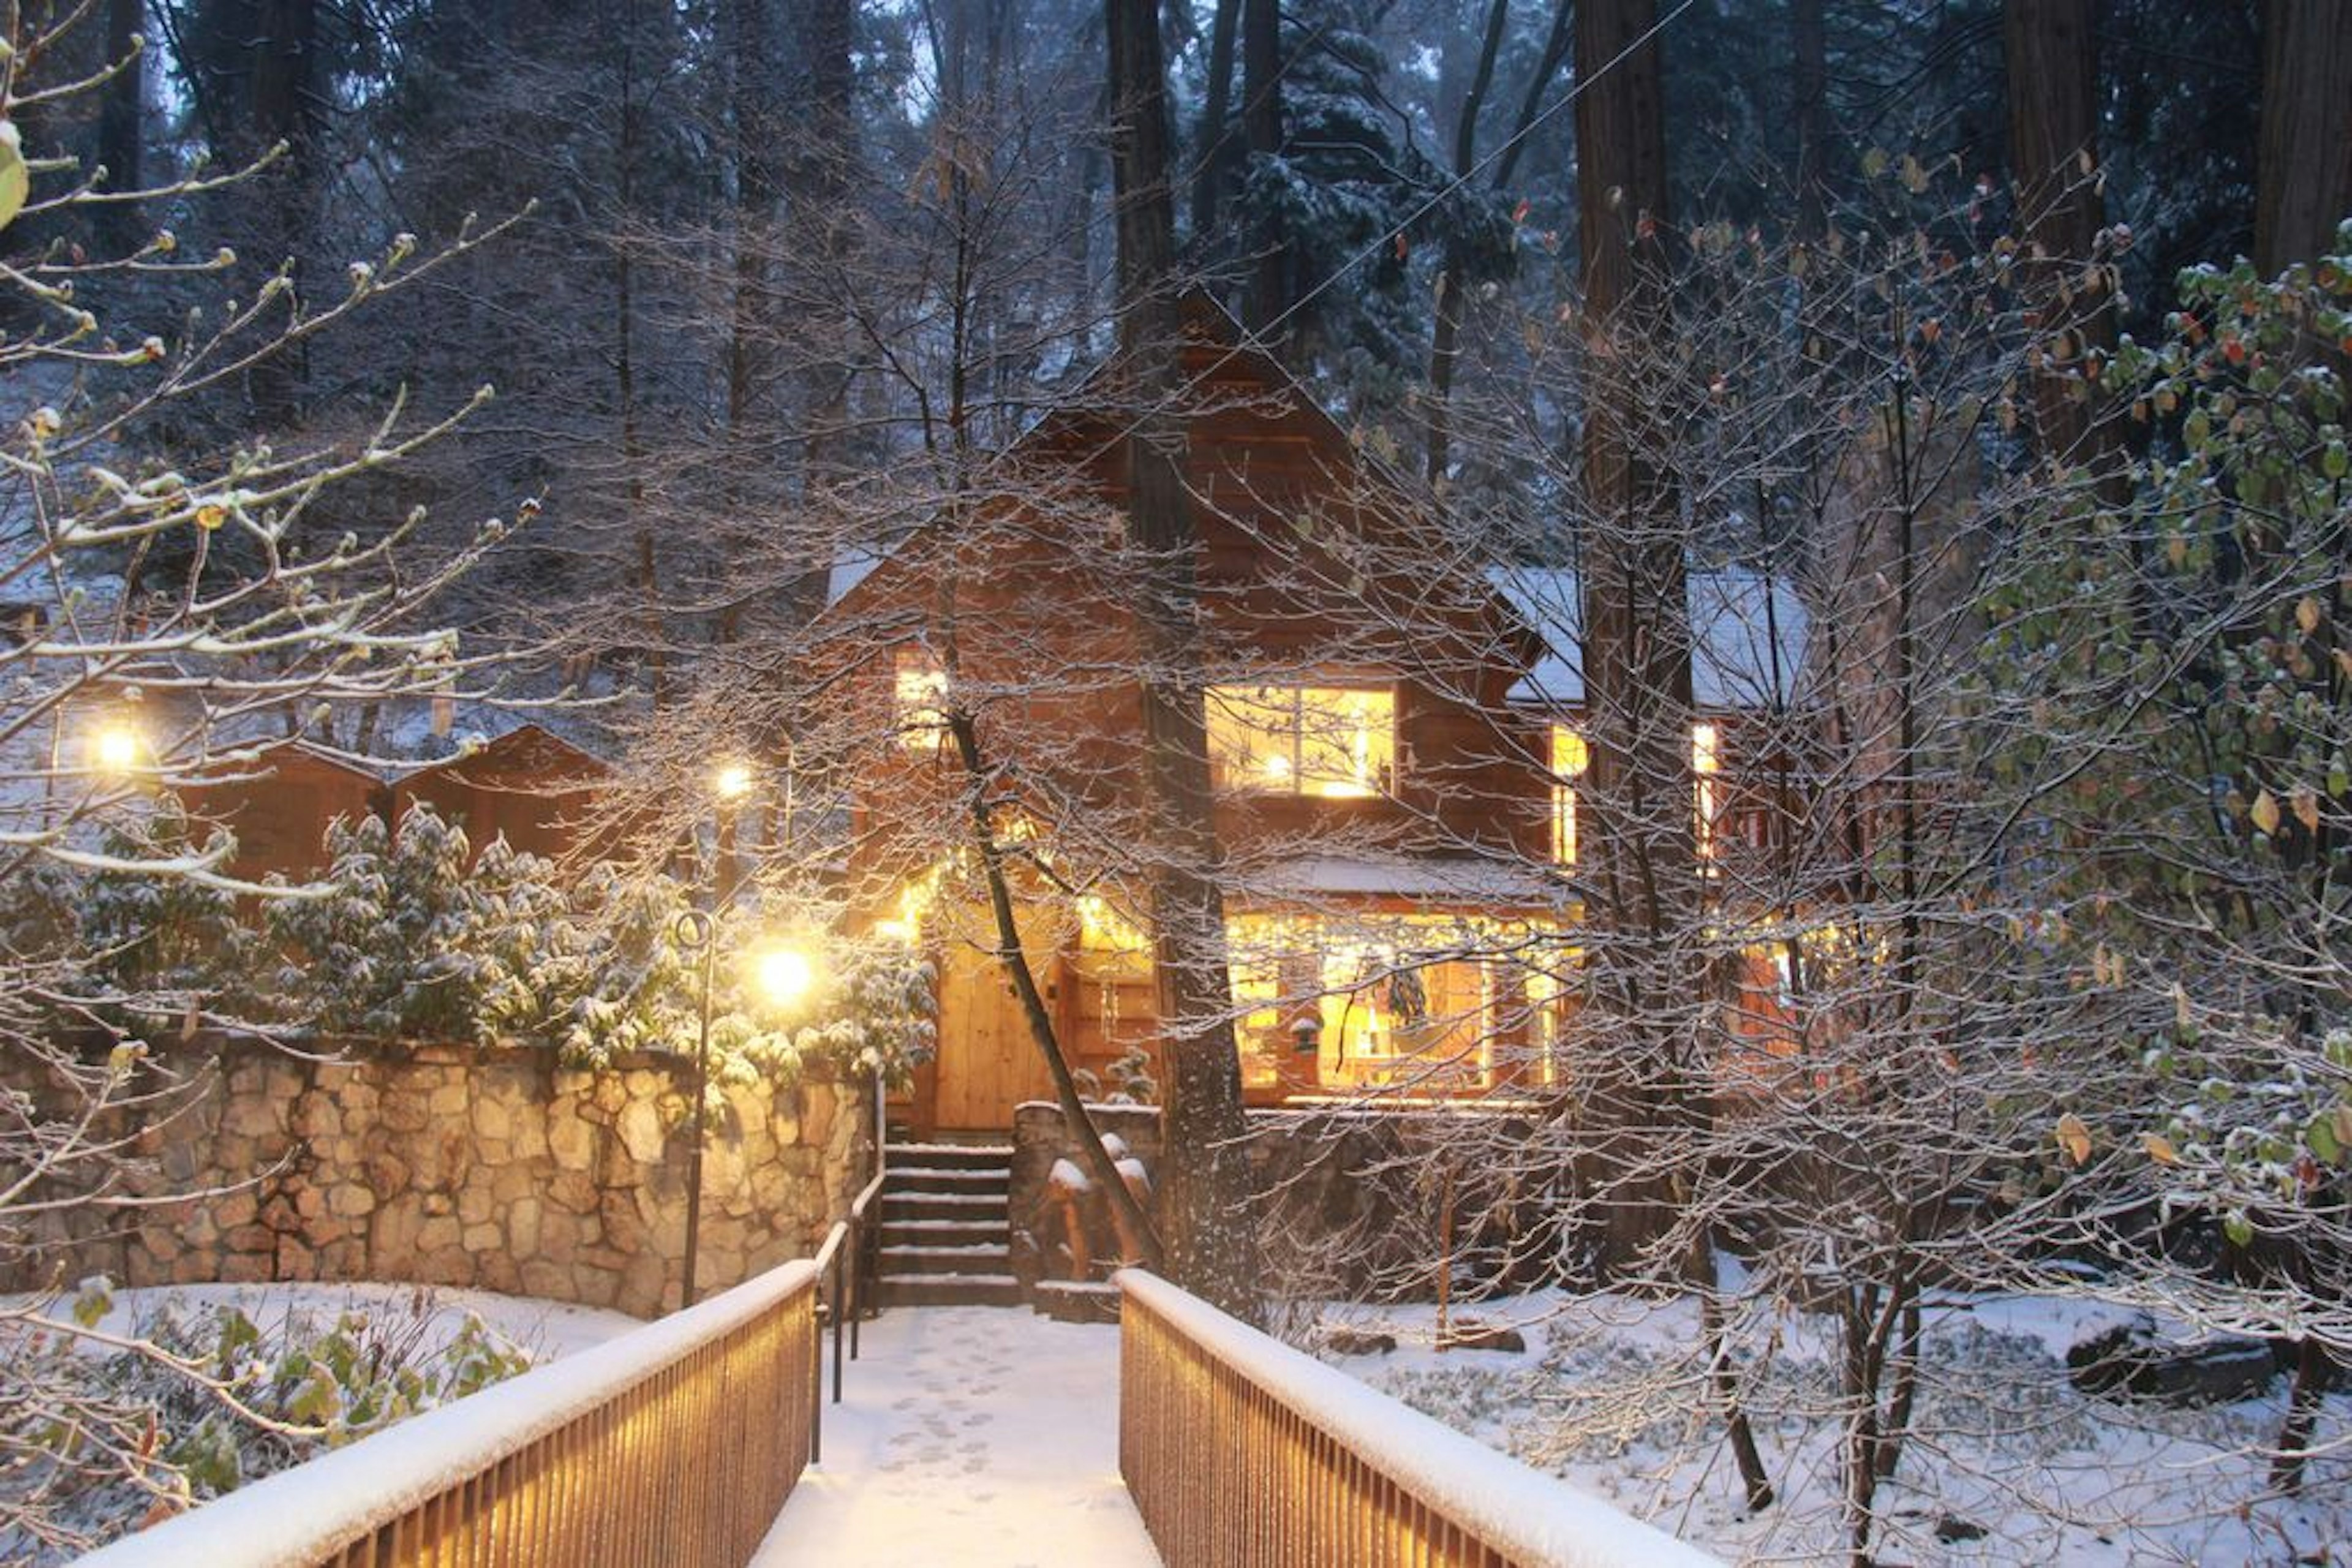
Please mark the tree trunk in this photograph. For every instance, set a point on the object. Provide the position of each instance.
(1268, 301)
(2051, 49)
(1214, 173)
(1205, 1219)
(283, 95)
(753, 127)
(625, 381)
(2313, 1373)
(2303, 163)
(1637, 638)
(1013, 956)
(1446, 337)
(121, 124)
(818, 186)
(1808, 37)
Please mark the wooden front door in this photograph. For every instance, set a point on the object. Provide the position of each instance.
(988, 1062)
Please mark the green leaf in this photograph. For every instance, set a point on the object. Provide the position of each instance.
(2239, 1229)
(2321, 1138)
(15, 180)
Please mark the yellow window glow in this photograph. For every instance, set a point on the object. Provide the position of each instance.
(1570, 757)
(1706, 760)
(922, 689)
(1339, 742)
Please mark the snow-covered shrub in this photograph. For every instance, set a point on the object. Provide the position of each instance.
(158, 952)
(417, 939)
(216, 1399)
(400, 947)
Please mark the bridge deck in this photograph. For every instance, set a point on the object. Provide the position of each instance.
(984, 1437)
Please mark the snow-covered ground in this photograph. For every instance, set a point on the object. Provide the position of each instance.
(981, 1437)
(1606, 1394)
(414, 1341)
(433, 1314)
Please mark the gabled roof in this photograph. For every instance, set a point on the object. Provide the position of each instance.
(866, 568)
(1740, 620)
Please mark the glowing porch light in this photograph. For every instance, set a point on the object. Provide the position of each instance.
(117, 748)
(786, 974)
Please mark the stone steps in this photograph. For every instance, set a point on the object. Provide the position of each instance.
(947, 1236)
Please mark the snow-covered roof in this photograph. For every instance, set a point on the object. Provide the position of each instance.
(1738, 619)
(853, 567)
(1433, 878)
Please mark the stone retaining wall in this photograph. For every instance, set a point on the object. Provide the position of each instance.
(455, 1166)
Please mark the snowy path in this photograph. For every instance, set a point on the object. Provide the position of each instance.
(976, 1436)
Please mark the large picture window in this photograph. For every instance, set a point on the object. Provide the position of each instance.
(1339, 742)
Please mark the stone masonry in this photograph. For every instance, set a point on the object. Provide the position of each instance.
(454, 1166)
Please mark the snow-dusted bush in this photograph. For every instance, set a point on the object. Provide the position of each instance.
(213, 1399)
(409, 935)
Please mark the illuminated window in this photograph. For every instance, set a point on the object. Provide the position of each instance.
(922, 689)
(1570, 757)
(1334, 742)
(1706, 757)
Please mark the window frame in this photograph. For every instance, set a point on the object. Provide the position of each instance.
(1297, 782)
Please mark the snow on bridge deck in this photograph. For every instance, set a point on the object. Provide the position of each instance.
(984, 1437)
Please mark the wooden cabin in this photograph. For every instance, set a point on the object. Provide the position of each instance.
(528, 785)
(1392, 750)
(279, 807)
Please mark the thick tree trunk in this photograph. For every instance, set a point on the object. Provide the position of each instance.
(1205, 1219)
(2050, 48)
(2303, 164)
(1637, 638)
(818, 187)
(753, 125)
(654, 622)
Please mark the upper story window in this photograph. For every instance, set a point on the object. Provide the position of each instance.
(919, 690)
(1707, 759)
(1337, 742)
(1569, 758)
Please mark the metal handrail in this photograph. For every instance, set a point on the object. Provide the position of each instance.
(844, 1249)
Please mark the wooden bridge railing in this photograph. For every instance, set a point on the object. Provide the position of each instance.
(1241, 1452)
(672, 1446)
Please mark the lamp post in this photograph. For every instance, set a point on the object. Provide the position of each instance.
(697, 935)
(784, 974)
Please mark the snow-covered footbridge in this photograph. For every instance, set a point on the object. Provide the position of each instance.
(733, 1433)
